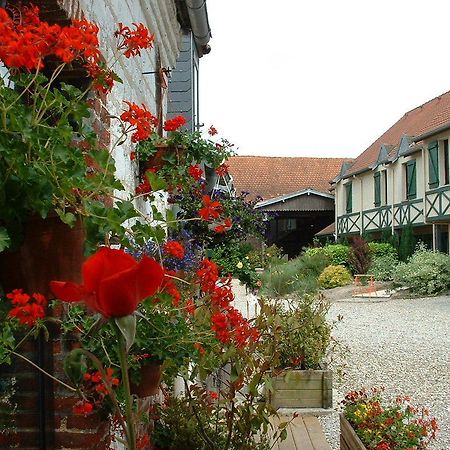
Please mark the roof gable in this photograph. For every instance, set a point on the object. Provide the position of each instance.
(432, 115)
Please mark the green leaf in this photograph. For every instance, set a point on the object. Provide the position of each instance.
(75, 365)
(5, 241)
(127, 326)
(156, 182)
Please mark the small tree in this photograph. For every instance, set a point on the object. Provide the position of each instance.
(407, 243)
(359, 255)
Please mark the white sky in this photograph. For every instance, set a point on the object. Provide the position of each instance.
(320, 78)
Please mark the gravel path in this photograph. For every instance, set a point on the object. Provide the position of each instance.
(402, 344)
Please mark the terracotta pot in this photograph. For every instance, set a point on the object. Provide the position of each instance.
(157, 160)
(150, 380)
(51, 250)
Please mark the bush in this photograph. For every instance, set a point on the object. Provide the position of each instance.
(407, 243)
(337, 254)
(296, 276)
(334, 276)
(379, 249)
(425, 273)
(384, 266)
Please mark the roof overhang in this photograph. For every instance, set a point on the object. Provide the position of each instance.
(431, 133)
(283, 198)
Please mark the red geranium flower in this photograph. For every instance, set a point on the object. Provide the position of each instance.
(175, 249)
(212, 131)
(225, 226)
(140, 118)
(174, 124)
(114, 282)
(27, 308)
(222, 170)
(211, 209)
(134, 40)
(195, 172)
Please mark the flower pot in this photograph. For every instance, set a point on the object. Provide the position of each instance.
(157, 161)
(51, 250)
(150, 378)
(302, 389)
(348, 438)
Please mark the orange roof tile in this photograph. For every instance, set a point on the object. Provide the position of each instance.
(420, 120)
(271, 177)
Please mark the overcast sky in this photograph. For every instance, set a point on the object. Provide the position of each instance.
(320, 78)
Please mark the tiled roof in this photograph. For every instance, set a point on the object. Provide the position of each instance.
(327, 230)
(427, 117)
(271, 177)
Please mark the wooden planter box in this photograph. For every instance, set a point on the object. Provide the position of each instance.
(349, 440)
(303, 389)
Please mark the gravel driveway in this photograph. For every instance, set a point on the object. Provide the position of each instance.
(402, 344)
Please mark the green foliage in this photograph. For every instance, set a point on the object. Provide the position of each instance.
(384, 266)
(337, 254)
(407, 243)
(262, 257)
(379, 249)
(334, 276)
(233, 259)
(359, 257)
(298, 331)
(425, 273)
(296, 276)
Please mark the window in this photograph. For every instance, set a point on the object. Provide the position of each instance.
(411, 190)
(446, 163)
(348, 198)
(433, 165)
(377, 188)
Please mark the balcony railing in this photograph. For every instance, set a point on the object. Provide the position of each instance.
(437, 203)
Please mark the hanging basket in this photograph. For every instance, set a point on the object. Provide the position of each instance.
(150, 379)
(159, 159)
(51, 250)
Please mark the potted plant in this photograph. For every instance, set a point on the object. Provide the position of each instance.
(299, 337)
(368, 422)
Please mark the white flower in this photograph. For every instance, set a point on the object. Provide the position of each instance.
(239, 265)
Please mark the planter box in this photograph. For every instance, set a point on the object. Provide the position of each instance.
(303, 389)
(349, 440)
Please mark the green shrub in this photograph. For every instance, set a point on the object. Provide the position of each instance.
(407, 243)
(296, 276)
(384, 266)
(337, 254)
(334, 276)
(425, 273)
(379, 249)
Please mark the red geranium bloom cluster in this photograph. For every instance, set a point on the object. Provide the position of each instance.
(230, 326)
(211, 208)
(174, 124)
(223, 227)
(222, 170)
(145, 187)
(175, 249)
(27, 308)
(26, 44)
(133, 41)
(195, 172)
(94, 391)
(168, 286)
(212, 131)
(227, 322)
(140, 118)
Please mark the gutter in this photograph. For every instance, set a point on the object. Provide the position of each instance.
(428, 134)
(198, 18)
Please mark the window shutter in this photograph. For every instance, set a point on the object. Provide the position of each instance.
(411, 191)
(433, 165)
(348, 199)
(377, 188)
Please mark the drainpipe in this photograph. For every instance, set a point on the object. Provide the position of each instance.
(392, 198)
(424, 202)
(198, 17)
(336, 212)
(361, 206)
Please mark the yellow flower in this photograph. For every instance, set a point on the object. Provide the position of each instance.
(239, 265)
